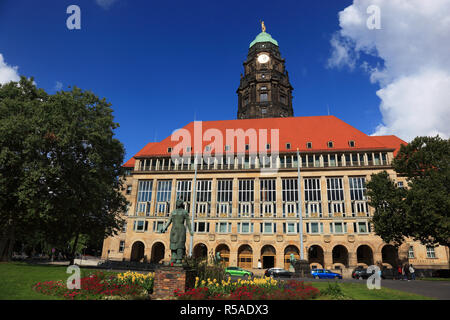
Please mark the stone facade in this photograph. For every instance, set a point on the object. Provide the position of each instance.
(325, 249)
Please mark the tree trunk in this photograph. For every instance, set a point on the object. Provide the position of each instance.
(74, 248)
(6, 245)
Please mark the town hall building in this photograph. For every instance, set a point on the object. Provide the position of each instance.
(239, 180)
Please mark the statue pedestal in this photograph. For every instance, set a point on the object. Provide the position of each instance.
(302, 269)
(168, 279)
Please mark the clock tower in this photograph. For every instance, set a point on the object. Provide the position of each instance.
(264, 90)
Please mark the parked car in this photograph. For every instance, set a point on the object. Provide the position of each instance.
(325, 274)
(361, 273)
(278, 272)
(237, 271)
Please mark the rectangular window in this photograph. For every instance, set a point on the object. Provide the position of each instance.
(201, 227)
(246, 198)
(291, 228)
(144, 196)
(203, 199)
(223, 227)
(314, 227)
(430, 252)
(362, 227)
(313, 198)
(290, 197)
(184, 193)
(163, 194)
(263, 97)
(140, 225)
(268, 227)
(338, 227)
(335, 194)
(411, 252)
(128, 189)
(358, 196)
(121, 246)
(268, 197)
(245, 227)
(224, 197)
(124, 227)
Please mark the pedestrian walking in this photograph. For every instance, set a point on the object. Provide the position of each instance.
(405, 272)
(399, 272)
(412, 272)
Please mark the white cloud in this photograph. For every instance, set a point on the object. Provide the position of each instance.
(105, 4)
(7, 73)
(414, 76)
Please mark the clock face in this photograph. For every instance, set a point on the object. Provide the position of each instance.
(263, 58)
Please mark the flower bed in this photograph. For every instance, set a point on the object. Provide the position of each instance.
(99, 286)
(256, 289)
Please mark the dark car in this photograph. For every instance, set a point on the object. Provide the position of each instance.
(278, 272)
(325, 274)
(388, 273)
(360, 273)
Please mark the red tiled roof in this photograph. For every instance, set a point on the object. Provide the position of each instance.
(297, 131)
(391, 141)
(130, 163)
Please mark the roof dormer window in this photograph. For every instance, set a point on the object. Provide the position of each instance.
(330, 144)
(288, 146)
(169, 149)
(351, 143)
(309, 145)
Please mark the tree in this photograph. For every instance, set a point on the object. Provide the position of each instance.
(67, 169)
(422, 210)
(387, 199)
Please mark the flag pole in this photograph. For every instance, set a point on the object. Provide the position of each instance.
(302, 256)
(193, 206)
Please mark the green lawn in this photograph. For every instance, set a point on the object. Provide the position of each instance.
(356, 291)
(434, 279)
(17, 279)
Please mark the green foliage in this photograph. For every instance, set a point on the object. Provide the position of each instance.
(334, 290)
(60, 165)
(387, 199)
(421, 211)
(204, 270)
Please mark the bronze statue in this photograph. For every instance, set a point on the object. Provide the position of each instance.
(179, 217)
(292, 261)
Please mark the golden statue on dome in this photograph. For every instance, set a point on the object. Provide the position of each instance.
(263, 27)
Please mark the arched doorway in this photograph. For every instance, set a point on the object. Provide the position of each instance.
(158, 250)
(364, 256)
(389, 255)
(224, 253)
(268, 256)
(287, 255)
(245, 256)
(200, 251)
(340, 257)
(316, 257)
(137, 251)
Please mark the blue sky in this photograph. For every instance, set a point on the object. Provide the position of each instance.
(164, 64)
